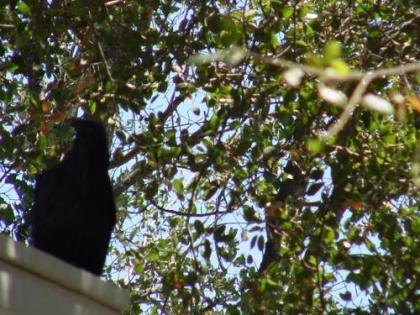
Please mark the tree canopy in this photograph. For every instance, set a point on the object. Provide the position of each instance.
(264, 153)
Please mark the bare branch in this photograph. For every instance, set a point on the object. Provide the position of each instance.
(350, 107)
(113, 2)
(361, 89)
(107, 67)
(130, 179)
(186, 214)
(327, 75)
(124, 159)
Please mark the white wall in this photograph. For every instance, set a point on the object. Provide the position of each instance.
(32, 282)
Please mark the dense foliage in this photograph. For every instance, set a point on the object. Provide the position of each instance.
(264, 154)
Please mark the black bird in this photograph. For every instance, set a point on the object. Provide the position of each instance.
(74, 210)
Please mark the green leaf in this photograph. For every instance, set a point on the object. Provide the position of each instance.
(139, 268)
(214, 122)
(332, 51)
(269, 151)
(315, 145)
(340, 66)
(329, 235)
(91, 107)
(152, 256)
(274, 40)
(110, 86)
(42, 142)
(287, 12)
(178, 186)
(24, 8)
(416, 225)
(6, 213)
(303, 11)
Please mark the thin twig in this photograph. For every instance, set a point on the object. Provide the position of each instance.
(109, 3)
(327, 75)
(360, 90)
(180, 213)
(350, 107)
(107, 67)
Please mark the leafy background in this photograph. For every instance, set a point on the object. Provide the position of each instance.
(264, 153)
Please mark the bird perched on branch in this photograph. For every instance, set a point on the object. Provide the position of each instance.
(74, 210)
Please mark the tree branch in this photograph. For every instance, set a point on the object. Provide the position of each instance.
(186, 214)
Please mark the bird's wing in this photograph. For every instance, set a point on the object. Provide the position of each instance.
(45, 185)
(56, 211)
(41, 214)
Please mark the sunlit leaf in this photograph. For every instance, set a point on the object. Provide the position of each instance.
(332, 96)
(293, 76)
(377, 104)
(24, 8)
(315, 145)
(178, 186)
(287, 12)
(152, 256)
(332, 50)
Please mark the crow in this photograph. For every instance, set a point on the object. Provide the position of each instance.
(74, 211)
